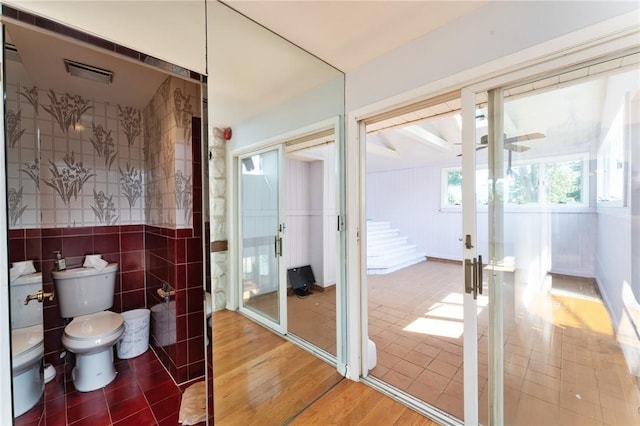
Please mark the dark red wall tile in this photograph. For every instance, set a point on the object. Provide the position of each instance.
(132, 280)
(182, 357)
(196, 350)
(106, 243)
(77, 245)
(49, 245)
(132, 261)
(194, 275)
(131, 241)
(195, 323)
(194, 250)
(84, 230)
(33, 248)
(132, 300)
(195, 370)
(182, 328)
(16, 250)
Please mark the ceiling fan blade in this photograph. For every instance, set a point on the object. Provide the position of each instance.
(523, 138)
(516, 148)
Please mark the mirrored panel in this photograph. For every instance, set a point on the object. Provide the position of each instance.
(264, 96)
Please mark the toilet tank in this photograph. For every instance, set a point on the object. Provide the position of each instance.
(83, 291)
(25, 315)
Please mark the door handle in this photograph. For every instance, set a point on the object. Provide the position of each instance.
(473, 276)
(277, 246)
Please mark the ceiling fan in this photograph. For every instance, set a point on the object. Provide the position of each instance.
(510, 143)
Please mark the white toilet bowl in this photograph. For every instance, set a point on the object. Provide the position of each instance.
(91, 338)
(27, 350)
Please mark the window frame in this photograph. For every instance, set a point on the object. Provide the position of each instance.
(542, 204)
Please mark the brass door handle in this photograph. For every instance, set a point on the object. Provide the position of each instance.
(39, 296)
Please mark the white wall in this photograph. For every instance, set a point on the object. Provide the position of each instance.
(173, 31)
(488, 33)
(323, 102)
(617, 238)
(311, 216)
(410, 200)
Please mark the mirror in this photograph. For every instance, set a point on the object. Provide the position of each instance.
(113, 169)
(275, 136)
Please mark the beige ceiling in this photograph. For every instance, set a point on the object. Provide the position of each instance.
(347, 34)
(42, 55)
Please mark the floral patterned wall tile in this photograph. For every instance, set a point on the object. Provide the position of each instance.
(87, 162)
(72, 161)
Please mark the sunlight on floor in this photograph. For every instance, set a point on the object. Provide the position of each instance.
(436, 327)
(570, 309)
(450, 314)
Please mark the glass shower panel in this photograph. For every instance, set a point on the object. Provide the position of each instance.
(261, 239)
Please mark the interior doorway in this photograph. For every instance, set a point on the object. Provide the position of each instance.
(288, 208)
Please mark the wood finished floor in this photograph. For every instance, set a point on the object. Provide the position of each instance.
(261, 378)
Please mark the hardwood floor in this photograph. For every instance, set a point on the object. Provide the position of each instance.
(353, 403)
(261, 378)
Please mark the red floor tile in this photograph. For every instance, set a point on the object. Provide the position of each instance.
(97, 419)
(161, 392)
(128, 390)
(147, 382)
(128, 407)
(167, 407)
(142, 417)
(91, 407)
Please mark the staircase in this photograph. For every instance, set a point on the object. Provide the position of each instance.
(387, 250)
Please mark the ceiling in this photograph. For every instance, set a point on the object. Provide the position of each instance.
(43, 54)
(348, 34)
(345, 34)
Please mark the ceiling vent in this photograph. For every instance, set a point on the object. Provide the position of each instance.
(11, 53)
(88, 72)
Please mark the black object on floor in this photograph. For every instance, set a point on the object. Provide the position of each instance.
(300, 279)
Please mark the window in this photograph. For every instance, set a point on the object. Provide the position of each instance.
(452, 188)
(556, 181)
(564, 182)
(611, 164)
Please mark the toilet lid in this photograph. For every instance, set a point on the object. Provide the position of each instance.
(93, 326)
(26, 338)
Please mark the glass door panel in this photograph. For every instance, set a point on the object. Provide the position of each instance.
(566, 306)
(421, 322)
(261, 233)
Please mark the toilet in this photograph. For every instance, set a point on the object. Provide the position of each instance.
(85, 294)
(27, 343)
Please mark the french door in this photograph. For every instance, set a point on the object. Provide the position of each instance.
(261, 234)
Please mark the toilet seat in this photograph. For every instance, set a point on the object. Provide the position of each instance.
(27, 344)
(90, 333)
(93, 326)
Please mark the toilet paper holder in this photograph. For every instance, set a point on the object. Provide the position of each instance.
(166, 291)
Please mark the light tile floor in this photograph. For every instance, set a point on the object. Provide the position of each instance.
(563, 365)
